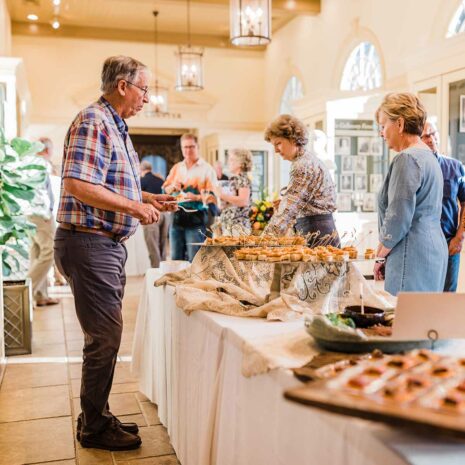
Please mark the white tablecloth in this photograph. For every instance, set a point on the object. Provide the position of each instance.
(190, 366)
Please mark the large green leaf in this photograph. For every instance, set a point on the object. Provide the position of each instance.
(23, 147)
(32, 166)
(24, 194)
(23, 251)
(10, 202)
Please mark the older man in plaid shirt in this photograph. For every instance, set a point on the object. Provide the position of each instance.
(101, 205)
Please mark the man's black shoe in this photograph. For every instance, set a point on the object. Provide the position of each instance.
(113, 438)
(128, 427)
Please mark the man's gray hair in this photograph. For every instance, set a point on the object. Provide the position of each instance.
(119, 68)
(145, 165)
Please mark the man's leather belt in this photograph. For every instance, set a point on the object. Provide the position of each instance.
(99, 232)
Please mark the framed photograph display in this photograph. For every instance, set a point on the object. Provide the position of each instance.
(346, 183)
(462, 114)
(364, 145)
(369, 202)
(347, 164)
(376, 181)
(342, 146)
(360, 165)
(344, 202)
(360, 182)
(376, 146)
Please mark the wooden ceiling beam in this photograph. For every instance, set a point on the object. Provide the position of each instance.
(126, 35)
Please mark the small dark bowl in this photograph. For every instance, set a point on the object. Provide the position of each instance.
(371, 316)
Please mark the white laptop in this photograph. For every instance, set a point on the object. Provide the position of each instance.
(424, 315)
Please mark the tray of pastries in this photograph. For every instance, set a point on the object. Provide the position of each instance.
(253, 241)
(420, 389)
(301, 253)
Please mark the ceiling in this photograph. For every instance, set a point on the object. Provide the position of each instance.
(132, 20)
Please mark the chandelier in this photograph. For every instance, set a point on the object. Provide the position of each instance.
(250, 22)
(158, 95)
(189, 74)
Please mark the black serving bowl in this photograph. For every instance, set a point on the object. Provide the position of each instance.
(371, 316)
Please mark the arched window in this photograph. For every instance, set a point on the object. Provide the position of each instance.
(363, 69)
(457, 24)
(293, 91)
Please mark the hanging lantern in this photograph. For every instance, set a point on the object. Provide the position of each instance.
(250, 22)
(158, 95)
(158, 100)
(189, 74)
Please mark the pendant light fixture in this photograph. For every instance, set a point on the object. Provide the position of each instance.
(250, 22)
(189, 75)
(158, 99)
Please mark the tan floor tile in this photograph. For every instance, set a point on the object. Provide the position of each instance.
(46, 350)
(29, 404)
(29, 375)
(47, 324)
(93, 456)
(123, 373)
(74, 334)
(60, 462)
(142, 397)
(150, 413)
(54, 336)
(124, 404)
(119, 388)
(164, 460)
(36, 441)
(155, 441)
(138, 419)
(75, 345)
(75, 353)
(75, 370)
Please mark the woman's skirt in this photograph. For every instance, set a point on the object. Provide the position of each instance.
(320, 229)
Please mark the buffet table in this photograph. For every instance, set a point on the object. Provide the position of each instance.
(190, 366)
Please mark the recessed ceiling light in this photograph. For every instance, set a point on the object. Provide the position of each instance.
(32, 17)
(56, 24)
(56, 2)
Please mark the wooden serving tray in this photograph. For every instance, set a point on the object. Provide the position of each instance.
(317, 394)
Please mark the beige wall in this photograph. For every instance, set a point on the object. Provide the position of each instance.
(5, 30)
(64, 77)
(316, 48)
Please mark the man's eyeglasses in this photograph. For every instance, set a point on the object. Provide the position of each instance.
(145, 89)
(428, 135)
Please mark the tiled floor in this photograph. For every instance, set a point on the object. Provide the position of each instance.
(39, 396)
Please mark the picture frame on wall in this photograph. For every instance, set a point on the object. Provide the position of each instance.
(360, 165)
(360, 182)
(346, 183)
(462, 114)
(347, 164)
(369, 202)
(376, 181)
(364, 145)
(342, 145)
(376, 146)
(344, 202)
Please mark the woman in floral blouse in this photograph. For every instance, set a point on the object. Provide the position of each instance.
(309, 200)
(234, 217)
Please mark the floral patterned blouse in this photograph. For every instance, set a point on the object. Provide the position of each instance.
(232, 215)
(310, 192)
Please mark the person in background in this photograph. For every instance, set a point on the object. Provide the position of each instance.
(234, 218)
(41, 253)
(101, 205)
(155, 234)
(452, 220)
(219, 172)
(193, 180)
(410, 202)
(309, 200)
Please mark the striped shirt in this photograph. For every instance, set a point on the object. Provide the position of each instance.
(98, 150)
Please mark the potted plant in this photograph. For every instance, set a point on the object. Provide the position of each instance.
(261, 212)
(22, 174)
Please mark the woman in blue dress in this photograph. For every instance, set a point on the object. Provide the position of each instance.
(409, 203)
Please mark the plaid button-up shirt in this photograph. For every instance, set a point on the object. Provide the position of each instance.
(98, 150)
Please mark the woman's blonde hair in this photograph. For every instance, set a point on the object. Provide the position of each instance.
(244, 157)
(407, 106)
(288, 127)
